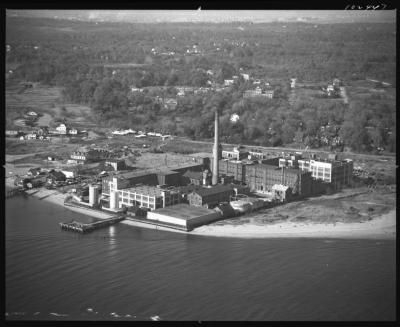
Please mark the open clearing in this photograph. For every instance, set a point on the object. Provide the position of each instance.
(348, 206)
(45, 100)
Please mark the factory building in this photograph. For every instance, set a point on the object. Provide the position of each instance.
(116, 164)
(168, 177)
(195, 166)
(257, 154)
(149, 197)
(55, 176)
(236, 168)
(261, 177)
(211, 196)
(290, 161)
(197, 177)
(184, 215)
(236, 154)
(203, 158)
(337, 172)
(88, 155)
(126, 180)
(94, 191)
(329, 170)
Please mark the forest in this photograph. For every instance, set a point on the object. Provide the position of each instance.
(98, 64)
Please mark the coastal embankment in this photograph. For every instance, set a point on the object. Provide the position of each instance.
(382, 226)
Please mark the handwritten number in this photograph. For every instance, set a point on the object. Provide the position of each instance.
(367, 7)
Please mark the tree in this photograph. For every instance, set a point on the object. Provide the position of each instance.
(354, 135)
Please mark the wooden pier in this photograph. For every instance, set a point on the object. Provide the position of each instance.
(85, 228)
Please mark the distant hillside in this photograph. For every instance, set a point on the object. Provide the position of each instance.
(99, 63)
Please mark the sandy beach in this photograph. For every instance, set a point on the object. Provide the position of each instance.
(381, 227)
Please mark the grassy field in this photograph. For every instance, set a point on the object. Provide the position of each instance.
(363, 89)
(45, 100)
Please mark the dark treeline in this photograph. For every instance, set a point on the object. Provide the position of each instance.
(83, 58)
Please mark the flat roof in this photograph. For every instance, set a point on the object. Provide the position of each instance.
(204, 191)
(135, 173)
(184, 211)
(146, 190)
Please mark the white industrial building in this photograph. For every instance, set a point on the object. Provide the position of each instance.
(184, 215)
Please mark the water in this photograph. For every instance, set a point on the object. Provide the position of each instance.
(128, 273)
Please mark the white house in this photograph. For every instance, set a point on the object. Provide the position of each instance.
(11, 133)
(31, 136)
(73, 131)
(234, 118)
(62, 129)
(228, 82)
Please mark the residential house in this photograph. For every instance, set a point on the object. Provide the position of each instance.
(170, 104)
(336, 83)
(32, 114)
(31, 136)
(73, 131)
(228, 82)
(62, 129)
(34, 171)
(11, 133)
(258, 92)
(234, 118)
(269, 94)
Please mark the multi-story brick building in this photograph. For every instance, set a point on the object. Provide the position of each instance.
(232, 168)
(337, 172)
(261, 177)
(211, 196)
(236, 154)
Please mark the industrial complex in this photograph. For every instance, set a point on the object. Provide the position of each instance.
(205, 188)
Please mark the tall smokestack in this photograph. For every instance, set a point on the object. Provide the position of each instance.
(215, 151)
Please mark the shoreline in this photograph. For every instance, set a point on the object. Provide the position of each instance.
(381, 227)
